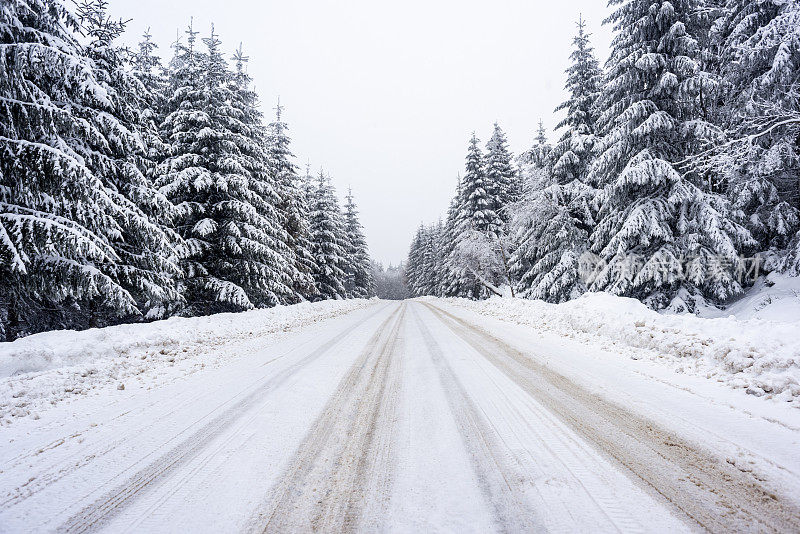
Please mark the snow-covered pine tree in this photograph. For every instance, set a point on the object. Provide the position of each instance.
(326, 241)
(539, 155)
(55, 214)
(149, 251)
(292, 207)
(757, 43)
(451, 276)
(573, 152)
(414, 268)
(358, 277)
(480, 203)
(148, 69)
(269, 240)
(147, 65)
(661, 235)
(215, 174)
(429, 280)
(440, 244)
(550, 235)
(480, 207)
(551, 225)
(500, 171)
(422, 276)
(61, 135)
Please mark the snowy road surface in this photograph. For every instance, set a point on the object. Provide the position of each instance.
(408, 417)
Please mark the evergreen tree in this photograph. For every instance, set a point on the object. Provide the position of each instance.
(358, 276)
(480, 203)
(661, 235)
(478, 219)
(66, 186)
(273, 256)
(551, 225)
(440, 242)
(757, 43)
(430, 281)
(573, 152)
(148, 250)
(422, 276)
(500, 171)
(148, 70)
(293, 209)
(538, 156)
(451, 282)
(147, 65)
(327, 241)
(414, 268)
(216, 174)
(551, 237)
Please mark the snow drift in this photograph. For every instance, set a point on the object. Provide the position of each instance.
(63, 348)
(44, 369)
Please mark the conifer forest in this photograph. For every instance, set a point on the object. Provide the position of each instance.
(674, 177)
(135, 187)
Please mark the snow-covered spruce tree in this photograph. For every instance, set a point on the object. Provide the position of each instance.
(573, 152)
(358, 277)
(551, 225)
(550, 232)
(148, 250)
(539, 156)
(253, 142)
(149, 71)
(440, 243)
(450, 276)
(757, 43)
(414, 268)
(430, 258)
(327, 234)
(500, 171)
(60, 135)
(480, 203)
(422, 277)
(480, 208)
(293, 208)
(661, 235)
(215, 174)
(147, 67)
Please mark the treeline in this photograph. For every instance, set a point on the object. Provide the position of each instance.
(389, 282)
(676, 179)
(134, 190)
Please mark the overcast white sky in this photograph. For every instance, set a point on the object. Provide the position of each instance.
(384, 95)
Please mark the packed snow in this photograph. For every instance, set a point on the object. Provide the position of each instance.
(392, 416)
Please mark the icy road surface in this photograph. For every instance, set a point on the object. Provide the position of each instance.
(408, 417)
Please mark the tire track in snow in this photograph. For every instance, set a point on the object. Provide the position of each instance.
(86, 455)
(501, 484)
(339, 479)
(104, 508)
(710, 490)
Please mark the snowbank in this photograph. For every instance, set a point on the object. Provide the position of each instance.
(62, 348)
(761, 356)
(774, 298)
(44, 369)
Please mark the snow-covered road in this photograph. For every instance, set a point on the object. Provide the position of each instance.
(407, 417)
